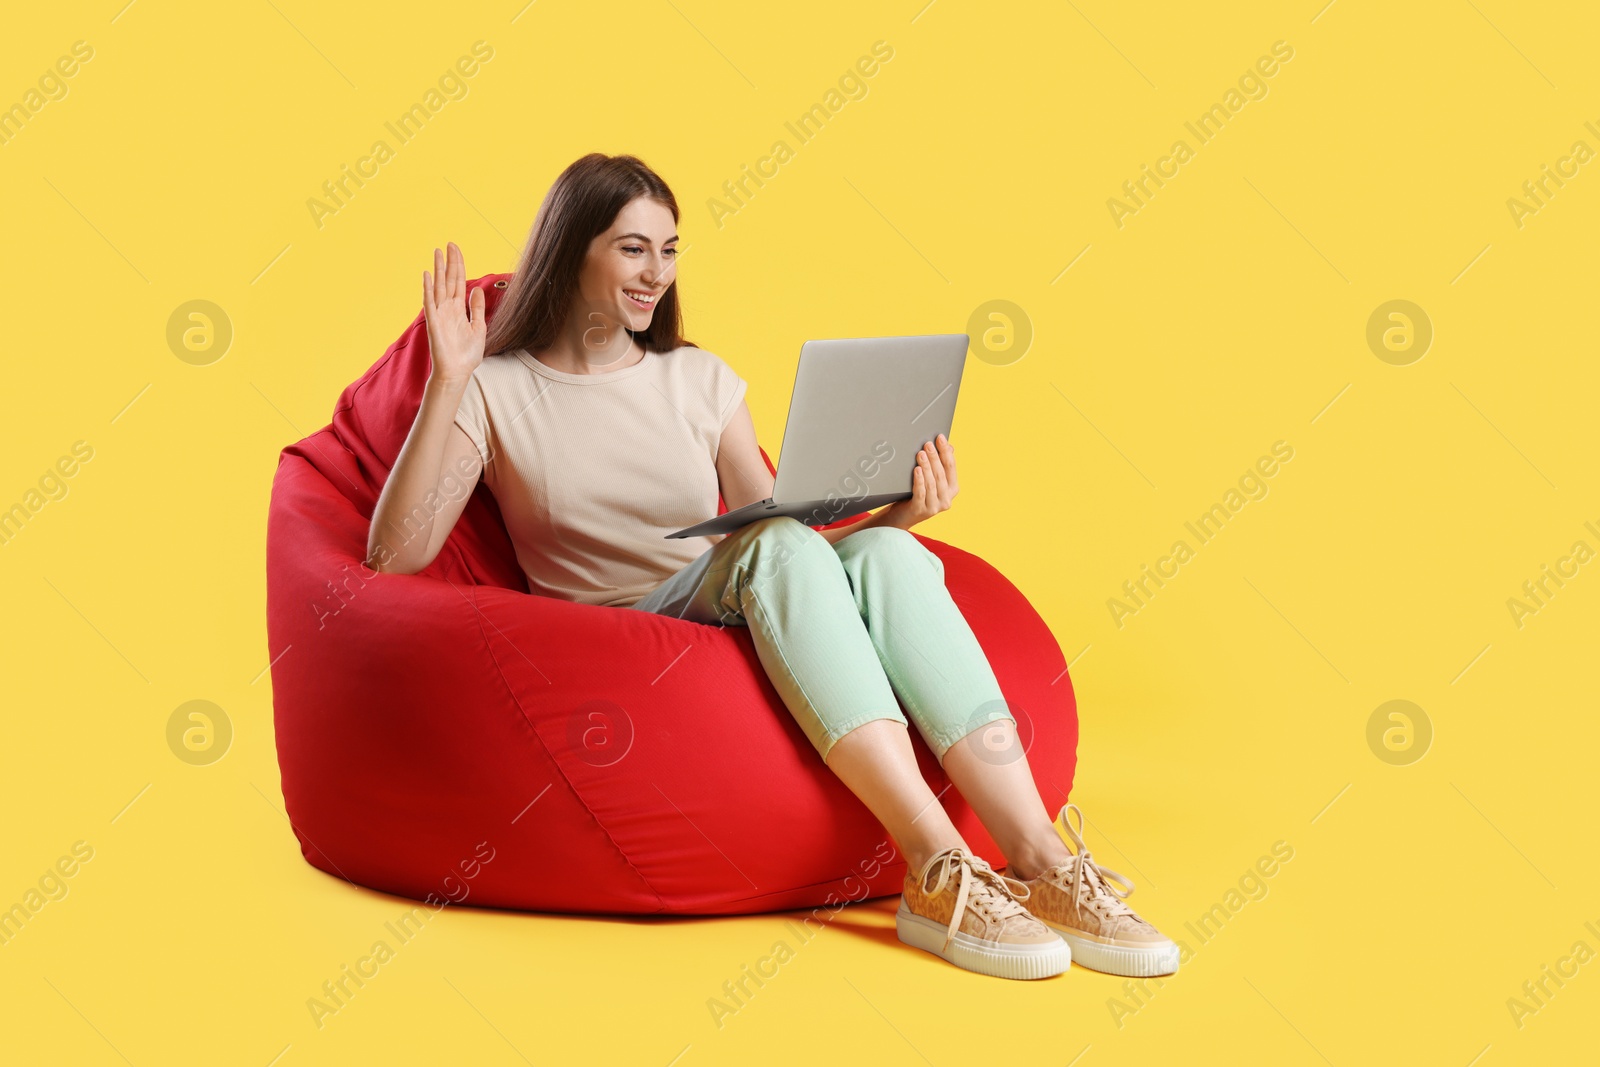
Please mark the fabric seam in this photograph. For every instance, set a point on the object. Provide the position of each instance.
(517, 699)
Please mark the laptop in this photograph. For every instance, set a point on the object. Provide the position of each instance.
(861, 408)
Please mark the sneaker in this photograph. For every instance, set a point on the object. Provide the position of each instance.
(972, 916)
(1083, 901)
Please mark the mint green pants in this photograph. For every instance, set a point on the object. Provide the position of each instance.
(844, 628)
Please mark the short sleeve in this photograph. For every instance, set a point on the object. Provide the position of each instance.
(728, 389)
(473, 415)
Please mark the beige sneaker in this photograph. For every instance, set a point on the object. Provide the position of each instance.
(973, 917)
(1084, 902)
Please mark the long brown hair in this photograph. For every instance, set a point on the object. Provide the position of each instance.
(581, 205)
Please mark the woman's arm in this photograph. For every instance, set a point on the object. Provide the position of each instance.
(742, 477)
(745, 479)
(438, 461)
(406, 534)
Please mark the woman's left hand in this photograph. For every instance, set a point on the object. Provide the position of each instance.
(933, 486)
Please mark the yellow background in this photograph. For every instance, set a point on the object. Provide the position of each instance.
(1229, 313)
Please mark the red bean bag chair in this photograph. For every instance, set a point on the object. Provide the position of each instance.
(445, 736)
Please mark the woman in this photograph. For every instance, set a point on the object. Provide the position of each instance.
(599, 429)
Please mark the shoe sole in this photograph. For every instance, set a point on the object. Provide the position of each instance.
(984, 957)
(1151, 961)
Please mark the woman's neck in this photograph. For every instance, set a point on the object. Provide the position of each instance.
(586, 353)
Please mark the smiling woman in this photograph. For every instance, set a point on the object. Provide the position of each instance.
(606, 225)
(601, 431)
(599, 427)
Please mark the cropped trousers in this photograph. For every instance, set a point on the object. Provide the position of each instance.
(844, 628)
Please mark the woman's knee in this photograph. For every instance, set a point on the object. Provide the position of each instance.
(780, 542)
(781, 532)
(779, 526)
(876, 538)
(877, 542)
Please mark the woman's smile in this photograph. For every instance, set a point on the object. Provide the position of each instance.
(642, 298)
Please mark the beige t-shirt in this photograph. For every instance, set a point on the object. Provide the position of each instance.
(592, 471)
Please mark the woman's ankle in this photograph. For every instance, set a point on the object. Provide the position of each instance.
(1033, 858)
(918, 853)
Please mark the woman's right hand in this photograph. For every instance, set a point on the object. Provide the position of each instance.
(456, 333)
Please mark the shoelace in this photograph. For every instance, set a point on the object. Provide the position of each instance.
(1085, 871)
(975, 873)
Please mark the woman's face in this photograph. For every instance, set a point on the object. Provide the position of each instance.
(627, 270)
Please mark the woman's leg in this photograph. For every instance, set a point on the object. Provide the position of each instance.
(877, 763)
(939, 672)
(784, 582)
(997, 782)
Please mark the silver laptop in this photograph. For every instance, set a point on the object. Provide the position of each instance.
(862, 407)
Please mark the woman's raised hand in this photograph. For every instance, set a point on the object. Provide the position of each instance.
(456, 332)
